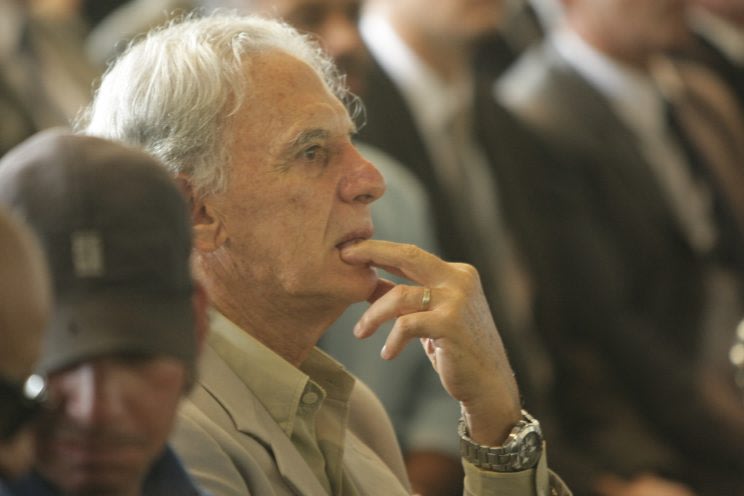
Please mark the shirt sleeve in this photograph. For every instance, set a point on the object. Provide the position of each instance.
(538, 481)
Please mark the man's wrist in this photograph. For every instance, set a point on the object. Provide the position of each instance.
(490, 423)
(520, 451)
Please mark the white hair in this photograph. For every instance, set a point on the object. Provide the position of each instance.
(173, 92)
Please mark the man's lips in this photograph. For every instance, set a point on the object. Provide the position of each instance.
(354, 237)
(91, 453)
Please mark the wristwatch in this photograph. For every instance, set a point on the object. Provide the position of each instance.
(520, 451)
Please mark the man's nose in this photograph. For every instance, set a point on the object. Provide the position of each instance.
(363, 183)
(91, 395)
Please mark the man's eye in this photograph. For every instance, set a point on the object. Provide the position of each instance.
(313, 153)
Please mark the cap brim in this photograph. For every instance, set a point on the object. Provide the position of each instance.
(106, 323)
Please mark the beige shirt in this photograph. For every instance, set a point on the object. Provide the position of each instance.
(311, 405)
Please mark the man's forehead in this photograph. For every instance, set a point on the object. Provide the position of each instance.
(124, 359)
(272, 71)
(284, 8)
(282, 87)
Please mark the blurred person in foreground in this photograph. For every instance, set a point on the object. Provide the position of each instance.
(421, 411)
(121, 346)
(248, 114)
(24, 307)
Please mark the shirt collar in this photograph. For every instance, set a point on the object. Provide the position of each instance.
(433, 101)
(277, 384)
(632, 94)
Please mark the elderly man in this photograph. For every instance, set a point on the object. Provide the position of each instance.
(24, 307)
(420, 410)
(248, 113)
(121, 346)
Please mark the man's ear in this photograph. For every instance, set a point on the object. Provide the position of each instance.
(209, 230)
(200, 302)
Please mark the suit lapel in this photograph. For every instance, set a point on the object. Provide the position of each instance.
(625, 176)
(251, 418)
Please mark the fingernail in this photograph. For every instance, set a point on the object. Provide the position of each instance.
(384, 352)
(358, 330)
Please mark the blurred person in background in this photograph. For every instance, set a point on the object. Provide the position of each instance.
(45, 76)
(120, 349)
(125, 21)
(24, 308)
(661, 269)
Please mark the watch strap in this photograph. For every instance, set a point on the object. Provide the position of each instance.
(520, 451)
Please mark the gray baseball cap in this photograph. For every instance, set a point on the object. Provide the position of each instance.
(115, 228)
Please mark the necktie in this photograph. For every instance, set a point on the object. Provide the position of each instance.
(710, 132)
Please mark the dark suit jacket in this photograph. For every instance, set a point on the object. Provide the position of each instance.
(626, 353)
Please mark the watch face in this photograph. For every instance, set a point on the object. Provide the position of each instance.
(529, 452)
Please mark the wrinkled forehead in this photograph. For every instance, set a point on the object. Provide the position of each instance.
(282, 88)
(124, 361)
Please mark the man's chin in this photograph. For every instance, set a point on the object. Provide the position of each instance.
(97, 481)
(367, 284)
(356, 285)
(104, 475)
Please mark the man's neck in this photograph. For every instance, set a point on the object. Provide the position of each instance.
(448, 59)
(289, 326)
(637, 59)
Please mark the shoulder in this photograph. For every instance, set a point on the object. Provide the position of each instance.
(530, 75)
(208, 451)
(539, 84)
(221, 432)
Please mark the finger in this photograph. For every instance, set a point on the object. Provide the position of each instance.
(405, 260)
(383, 286)
(400, 300)
(406, 328)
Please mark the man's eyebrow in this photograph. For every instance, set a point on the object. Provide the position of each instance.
(305, 137)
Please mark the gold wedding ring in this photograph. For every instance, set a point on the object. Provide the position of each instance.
(426, 299)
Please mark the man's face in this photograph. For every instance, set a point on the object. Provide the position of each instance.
(110, 421)
(458, 21)
(297, 189)
(634, 28)
(335, 23)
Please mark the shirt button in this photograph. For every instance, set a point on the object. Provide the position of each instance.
(310, 398)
